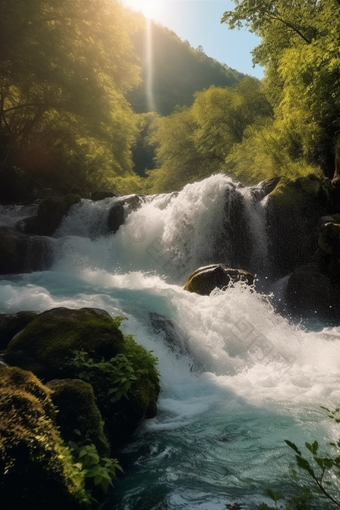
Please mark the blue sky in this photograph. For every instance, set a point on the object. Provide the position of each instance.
(198, 21)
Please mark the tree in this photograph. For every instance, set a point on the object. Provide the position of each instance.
(64, 69)
(300, 53)
(195, 142)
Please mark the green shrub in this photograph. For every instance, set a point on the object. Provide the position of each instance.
(323, 471)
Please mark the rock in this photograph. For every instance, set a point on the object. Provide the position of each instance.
(45, 346)
(116, 217)
(293, 211)
(235, 245)
(36, 470)
(329, 238)
(11, 324)
(51, 212)
(170, 334)
(205, 279)
(120, 209)
(78, 416)
(311, 293)
(101, 195)
(264, 188)
(20, 253)
(29, 225)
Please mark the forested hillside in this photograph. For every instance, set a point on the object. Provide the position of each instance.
(74, 109)
(177, 70)
(286, 125)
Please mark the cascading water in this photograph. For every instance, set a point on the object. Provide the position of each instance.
(237, 378)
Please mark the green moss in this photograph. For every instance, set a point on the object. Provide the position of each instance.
(36, 469)
(291, 192)
(45, 346)
(79, 418)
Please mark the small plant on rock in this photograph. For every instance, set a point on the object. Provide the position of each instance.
(111, 378)
(99, 471)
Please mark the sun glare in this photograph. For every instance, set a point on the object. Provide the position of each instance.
(150, 8)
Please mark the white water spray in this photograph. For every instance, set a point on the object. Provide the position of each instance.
(237, 378)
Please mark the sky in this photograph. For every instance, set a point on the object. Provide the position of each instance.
(198, 21)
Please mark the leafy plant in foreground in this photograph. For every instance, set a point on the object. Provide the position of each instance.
(100, 470)
(324, 472)
(111, 378)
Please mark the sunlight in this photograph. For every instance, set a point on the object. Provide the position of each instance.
(149, 60)
(150, 8)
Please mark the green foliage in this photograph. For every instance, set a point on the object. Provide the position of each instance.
(178, 71)
(193, 143)
(98, 471)
(323, 471)
(111, 378)
(64, 70)
(300, 53)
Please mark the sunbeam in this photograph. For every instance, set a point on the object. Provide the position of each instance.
(149, 60)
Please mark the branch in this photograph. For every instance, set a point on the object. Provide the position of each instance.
(288, 24)
(29, 105)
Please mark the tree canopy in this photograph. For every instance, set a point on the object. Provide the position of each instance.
(300, 52)
(64, 70)
(193, 143)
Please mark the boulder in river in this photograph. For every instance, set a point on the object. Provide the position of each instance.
(311, 293)
(207, 278)
(45, 345)
(87, 343)
(20, 253)
(78, 416)
(51, 212)
(120, 209)
(11, 324)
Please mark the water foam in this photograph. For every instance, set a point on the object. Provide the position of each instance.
(240, 378)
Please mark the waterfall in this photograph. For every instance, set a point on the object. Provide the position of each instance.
(237, 378)
(207, 222)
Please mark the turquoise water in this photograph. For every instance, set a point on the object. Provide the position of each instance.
(237, 379)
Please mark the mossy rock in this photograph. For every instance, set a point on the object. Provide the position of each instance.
(207, 278)
(290, 193)
(36, 470)
(78, 416)
(46, 345)
(11, 324)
